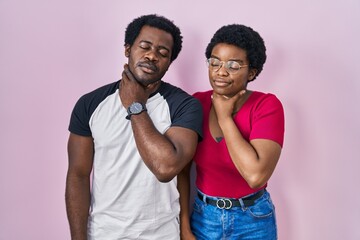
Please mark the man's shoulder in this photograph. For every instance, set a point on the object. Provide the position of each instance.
(102, 91)
(174, 95)
(168, 88)
(85, 107)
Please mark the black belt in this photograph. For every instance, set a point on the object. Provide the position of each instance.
(227, 203)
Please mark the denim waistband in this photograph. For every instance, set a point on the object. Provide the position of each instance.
(228, 203)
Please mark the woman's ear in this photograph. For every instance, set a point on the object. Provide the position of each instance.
(252, 74)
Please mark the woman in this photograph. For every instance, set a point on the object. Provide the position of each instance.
(243, 138)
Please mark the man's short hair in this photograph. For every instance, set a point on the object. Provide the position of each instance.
(156, 21)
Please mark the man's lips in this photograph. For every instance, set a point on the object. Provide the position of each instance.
(149, 67)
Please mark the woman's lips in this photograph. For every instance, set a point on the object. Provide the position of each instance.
(221, 83)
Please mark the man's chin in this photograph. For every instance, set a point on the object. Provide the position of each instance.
(145, 78)
(146, 82)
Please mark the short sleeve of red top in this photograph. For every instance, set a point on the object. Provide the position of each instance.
(261, 117)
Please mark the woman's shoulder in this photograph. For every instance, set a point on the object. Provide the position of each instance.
(262, 97)
(203, 95)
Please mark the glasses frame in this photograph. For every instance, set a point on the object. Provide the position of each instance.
(226, 65)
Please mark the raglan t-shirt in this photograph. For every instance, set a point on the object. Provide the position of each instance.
(126, 197)
(260, 117)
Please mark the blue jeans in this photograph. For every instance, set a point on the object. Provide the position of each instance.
(255, 222)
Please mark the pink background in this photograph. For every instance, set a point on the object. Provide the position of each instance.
(51, 52)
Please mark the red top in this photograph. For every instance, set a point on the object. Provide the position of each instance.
(261, 116)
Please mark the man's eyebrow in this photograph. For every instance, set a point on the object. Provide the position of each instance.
(160, 47)
(145, 41)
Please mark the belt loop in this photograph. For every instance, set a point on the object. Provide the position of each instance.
(204, 198)
(243, 207)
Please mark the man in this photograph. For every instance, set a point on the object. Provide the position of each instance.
(135, 136)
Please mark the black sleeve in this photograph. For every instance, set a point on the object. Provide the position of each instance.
(80, 117)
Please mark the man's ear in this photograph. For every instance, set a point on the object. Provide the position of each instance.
(127, 50)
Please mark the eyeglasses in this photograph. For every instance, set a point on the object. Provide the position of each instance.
(231, 66)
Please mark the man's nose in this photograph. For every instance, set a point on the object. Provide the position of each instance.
(152, 55)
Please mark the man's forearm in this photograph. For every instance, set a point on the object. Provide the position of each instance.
(77, 197)
(183, 185)
(158, 153)
(184, 190)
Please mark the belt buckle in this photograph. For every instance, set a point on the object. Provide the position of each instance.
(224, 202)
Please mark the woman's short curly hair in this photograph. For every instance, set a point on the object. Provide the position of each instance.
(245, 38)
(156, 21)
